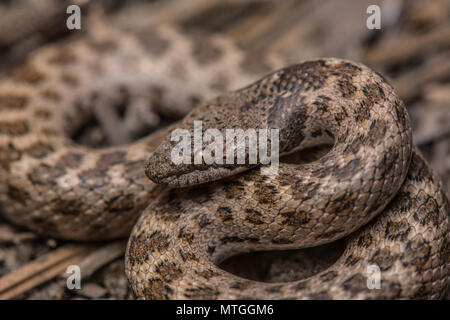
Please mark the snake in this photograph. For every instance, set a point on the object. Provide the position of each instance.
(69, 191)
(372, 188)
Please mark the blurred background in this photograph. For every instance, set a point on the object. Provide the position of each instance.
(412, 49)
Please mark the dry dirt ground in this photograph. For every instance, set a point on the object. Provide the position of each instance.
(412, 49)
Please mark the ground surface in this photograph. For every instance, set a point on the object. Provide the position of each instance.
(412, 50)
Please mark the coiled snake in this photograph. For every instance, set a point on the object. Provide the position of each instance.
(56, 187)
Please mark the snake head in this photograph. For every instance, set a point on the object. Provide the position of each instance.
(197, 151)
(161, 169)
(177, 162)
(232, 133)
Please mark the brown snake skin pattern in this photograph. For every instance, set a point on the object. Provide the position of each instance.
(56, 187)
(177, 243)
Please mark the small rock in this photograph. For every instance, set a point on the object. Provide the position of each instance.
(91, 290)
(115, 280)
(52, 243)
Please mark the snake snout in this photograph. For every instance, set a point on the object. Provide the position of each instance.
(162, 170)
(159, 167)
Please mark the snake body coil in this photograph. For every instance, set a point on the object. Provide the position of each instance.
(177, 243)
(58, 188)
(62, 189)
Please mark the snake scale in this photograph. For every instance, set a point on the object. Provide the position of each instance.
(372, 187)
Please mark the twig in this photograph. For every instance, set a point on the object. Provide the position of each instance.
(251, 31)
(401, 48)
(100, 257)
(432, 137)
(41, 270)
(162, 12)
(438, 93)
(412, 82)
(8, 235)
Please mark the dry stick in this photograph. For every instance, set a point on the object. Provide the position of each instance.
(286, 21)
(296, 27)
(412, 82)
(100, 257)
(438, 93)
(251, 30)
(8, 235)
(401, 48)
(440, 151)
(267, 31)
(161, 12)
(40, 278)
(436, 136)
(55, 263)
(176, 11)
(41, 269)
